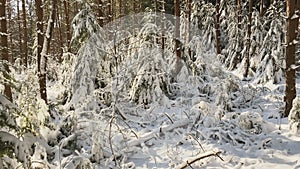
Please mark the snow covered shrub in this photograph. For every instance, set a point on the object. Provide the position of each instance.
(34, 109)
(20, 124)
(294, 116)
(65, 76)
(207, 114)
(149, 72)
(251, 122)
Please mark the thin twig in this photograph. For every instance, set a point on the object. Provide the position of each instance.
(199, 157)
(110, 142)
(197, 142)
(169, 118)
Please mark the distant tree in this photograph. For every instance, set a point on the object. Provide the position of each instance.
(248, 43)
(100, 13)
(67, 20)
(292, 22)
(217, 27)
(178, 64)
(25, 34)
(4, 49)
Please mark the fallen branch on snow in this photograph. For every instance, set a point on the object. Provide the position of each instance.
(199, 157)
(162, 129)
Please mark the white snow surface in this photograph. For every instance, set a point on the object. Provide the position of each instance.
(166, 137)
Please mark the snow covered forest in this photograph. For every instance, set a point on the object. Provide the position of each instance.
(138, 84)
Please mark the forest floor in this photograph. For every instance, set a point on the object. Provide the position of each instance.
(186, 129)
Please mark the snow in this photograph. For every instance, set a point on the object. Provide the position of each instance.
(124, 110)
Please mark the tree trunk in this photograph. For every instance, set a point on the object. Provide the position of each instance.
(188, 27)
(291, 34)
(239, 13)
(4, 49)
(10, 24)
(68, 27)
(177, 36)
(177, 29)
(248, 43)
(40, 42)
(25, 36)
(261, 12)
(217, 27)
(19, 32)
(60, 31)
(100, 13)
(163, 29)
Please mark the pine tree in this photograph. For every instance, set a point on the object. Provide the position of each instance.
(4, 49)
(25, 36)
(292, 6)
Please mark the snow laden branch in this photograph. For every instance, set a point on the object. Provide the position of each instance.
(192, 160)
(154, 133)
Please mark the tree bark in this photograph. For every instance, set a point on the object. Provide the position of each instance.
(25, 36)
(291, 34)
(239, 13)
(100, 13)
(248, 43)
(68, 27)
(40, 42)
(217, 27)
(177, 36)
(4, 49)
(163, 29)
(261, 11)
(20, 34)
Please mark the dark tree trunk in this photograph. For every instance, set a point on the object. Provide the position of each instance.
(291, 34)
(20, 34)
(163, 27)
(217, 27)
(177, 30)
(25, 36)
(100, 13)
(261, 12)
(4, 49)
(239, 13)
(248, 43)
(68, 27)
(40, 42)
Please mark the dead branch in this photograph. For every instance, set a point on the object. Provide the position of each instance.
(154, 133)
(199, 157)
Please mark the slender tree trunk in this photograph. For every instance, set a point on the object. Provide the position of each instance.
(25, 36)
(177, 30)
(292, 28)
(217, 27)
(4, 49)
(100, 13)
(163, 27)
(60, 31)
(178, 64)
(248, 47)
(68, 27)
(20, 34)
(120, 8)
(10, 24)
(40, 42)
(261, 12)
(239, 14)
(188, 27)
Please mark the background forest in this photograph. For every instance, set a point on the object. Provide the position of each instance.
(149, 84)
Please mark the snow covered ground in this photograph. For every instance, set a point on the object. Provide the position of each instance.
(249, 136)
